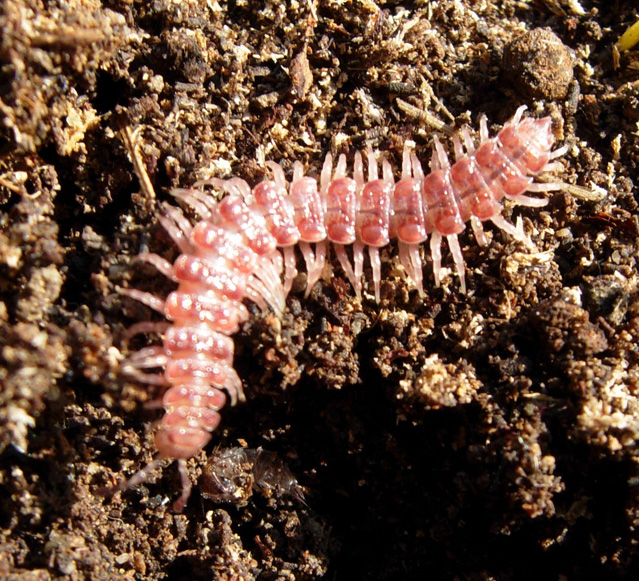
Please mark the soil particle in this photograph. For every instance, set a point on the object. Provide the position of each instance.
(539, 65)
(565, 327)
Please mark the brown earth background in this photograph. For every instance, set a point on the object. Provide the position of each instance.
(491, 435)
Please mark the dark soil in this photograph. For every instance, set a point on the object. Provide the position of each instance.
(491, 435)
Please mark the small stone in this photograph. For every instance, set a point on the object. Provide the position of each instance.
(539, 65)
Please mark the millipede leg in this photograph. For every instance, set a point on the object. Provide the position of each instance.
(436, 254)
(180, 503)
(458, 258)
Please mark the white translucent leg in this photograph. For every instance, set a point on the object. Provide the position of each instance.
(478, 231)
(387, 172)
(544, 187)
(191, 199)
(210, 199)
(406, 163)
(372, 166)
(146, 327)
(233, 186)
(265, 291)
(358, 171)
(242, 186)
(268, 270)
(418, 170)
(314, 263)
(146, 358)
(559, 152)
(550, 167)
(529, 202)
(273, 264)
(278, 174)
(516, 232)
(376, 266)
(161, 264)
(141, 475)
(151, 301)
(483, 129)
(468, 140)
(180, 503)
(458, 259)
(518, 114)
(418, 274)
(148, 378)
(325, 176)
(358, 260)
(298, 172)
(458, 148)
(411, 261)
(340, 168)
(442, 157)
(404, 259)
(255, 295)
(177, 227)
(290, 268)
(340, 252)
(436, 254)
(232, 385)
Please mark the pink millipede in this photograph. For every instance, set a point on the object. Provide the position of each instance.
(244, 247)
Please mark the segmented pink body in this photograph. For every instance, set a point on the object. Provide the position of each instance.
(234, 253)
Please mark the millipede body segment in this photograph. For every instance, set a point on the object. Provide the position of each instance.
(244, 247)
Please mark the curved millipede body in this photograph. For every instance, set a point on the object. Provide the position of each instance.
(244, 247)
